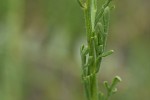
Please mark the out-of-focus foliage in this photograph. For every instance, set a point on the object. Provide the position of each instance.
(39, 49)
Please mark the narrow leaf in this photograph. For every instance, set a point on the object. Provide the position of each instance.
(107, 53)
(100, 13)
(93, 13)
(82, 5)
(106, 19)
(85, 51)
(113, 89)
(106, 86)
(100, 32)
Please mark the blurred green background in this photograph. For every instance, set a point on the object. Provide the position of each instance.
(39, 50)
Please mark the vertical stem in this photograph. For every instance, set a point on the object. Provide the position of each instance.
(92, 92)
(87, 23)
(96, 40)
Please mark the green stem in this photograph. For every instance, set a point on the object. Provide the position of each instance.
(96, 41)
(94, 91)
(91, 83)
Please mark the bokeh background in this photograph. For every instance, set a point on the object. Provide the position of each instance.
(39, 50)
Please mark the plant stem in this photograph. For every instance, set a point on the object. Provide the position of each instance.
(97, 25)
(94, 86)
(92, 92)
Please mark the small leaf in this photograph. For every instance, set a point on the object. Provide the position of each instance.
(100, 13)
(117, 79)
(107, 3)
(93, 13)
(98, 16)
(107, 53)
(99, 58)
(113, 89)
(100, 32)
(82, 5)
(101, 28)
(85, 51)
(106, 85)
(106, 19)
